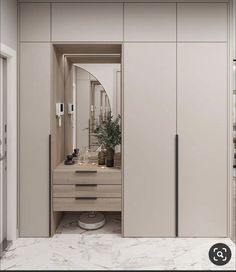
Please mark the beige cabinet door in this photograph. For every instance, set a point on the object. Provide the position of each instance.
(202, 129)
(149, 139)
(150, 22)
(87, 21)
(202, 22)
(34, 22)
(34, 137)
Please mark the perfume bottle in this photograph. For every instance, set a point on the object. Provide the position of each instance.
(69, 160)
(86, 155)
(75, 155)
(101, 157)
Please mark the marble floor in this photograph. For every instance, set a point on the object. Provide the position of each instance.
(72, 248)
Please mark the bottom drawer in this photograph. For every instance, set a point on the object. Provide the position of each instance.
(99, 204)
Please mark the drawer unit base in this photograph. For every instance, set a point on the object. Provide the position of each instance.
(99, 204)
(86, 188)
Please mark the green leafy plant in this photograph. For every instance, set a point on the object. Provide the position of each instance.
(108, 132)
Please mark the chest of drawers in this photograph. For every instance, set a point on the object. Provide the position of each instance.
(86, 188)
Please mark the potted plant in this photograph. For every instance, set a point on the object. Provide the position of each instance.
(108, 134)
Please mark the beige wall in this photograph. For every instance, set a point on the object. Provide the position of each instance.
(8, 23)
(8, 49)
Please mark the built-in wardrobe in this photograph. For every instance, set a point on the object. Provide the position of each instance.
(175, 111)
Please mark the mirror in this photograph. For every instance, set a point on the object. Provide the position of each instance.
(96, 94)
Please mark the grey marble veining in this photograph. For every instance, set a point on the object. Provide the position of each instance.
(104, 249)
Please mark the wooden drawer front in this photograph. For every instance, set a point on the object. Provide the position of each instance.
(83, 177)
(87, 191)
(99, 204)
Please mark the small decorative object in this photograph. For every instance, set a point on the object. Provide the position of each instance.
(108, 134)
(69, 160)
(76, 152)
(75, 155)
(86, 155)
(91, 220)
(80, 159)
(117, 160)
(101, 157)
(110, 157)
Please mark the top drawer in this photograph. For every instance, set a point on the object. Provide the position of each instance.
(86, 177)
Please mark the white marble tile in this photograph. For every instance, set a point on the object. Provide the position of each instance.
(81, 252)
(194, 256)
(141, 253)
(75, 249)
(112, 252)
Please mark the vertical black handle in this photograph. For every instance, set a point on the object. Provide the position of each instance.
(176, 185)
(89, 134)
(50, 184)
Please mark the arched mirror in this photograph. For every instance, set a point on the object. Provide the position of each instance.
(93, 106)
(96, 96)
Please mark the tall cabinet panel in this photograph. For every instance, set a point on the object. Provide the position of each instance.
(34, 133)
(202, 128)
(149, 139)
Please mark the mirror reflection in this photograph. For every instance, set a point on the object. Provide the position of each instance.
(96, 96)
